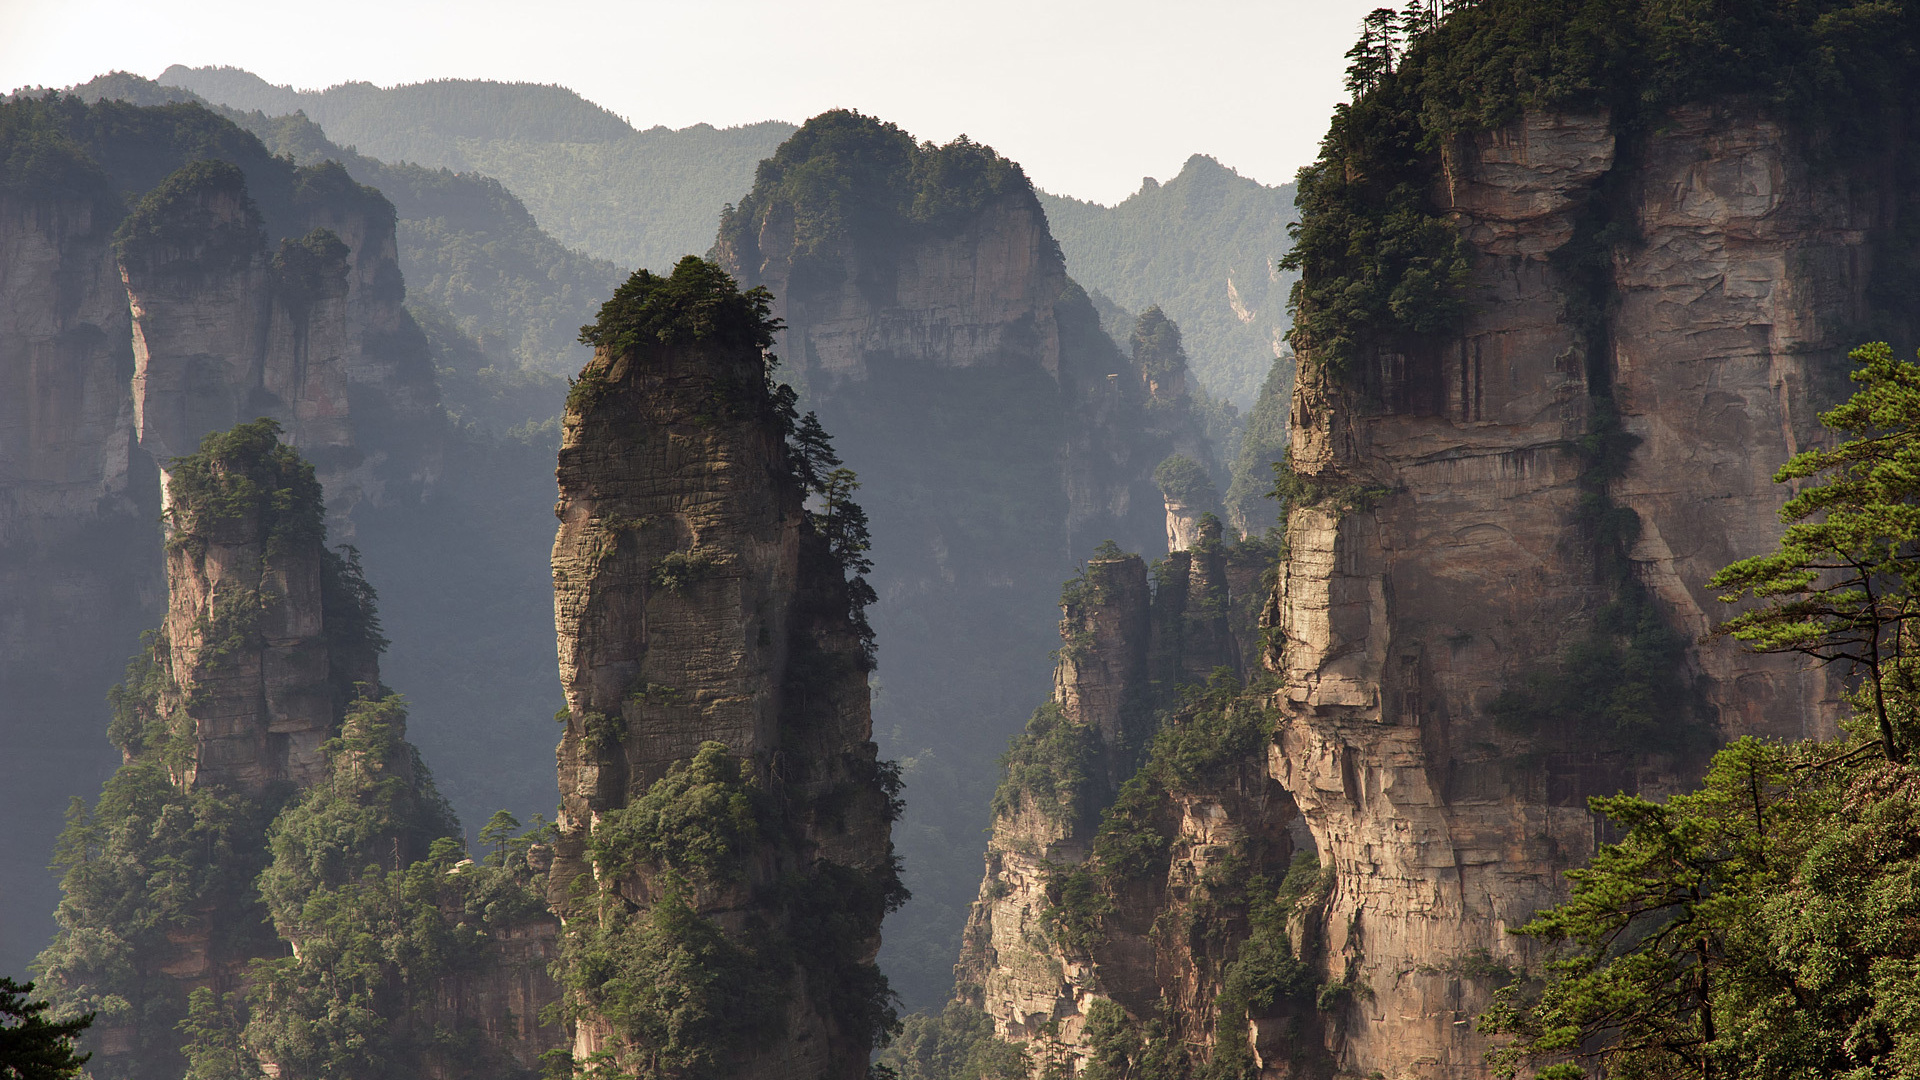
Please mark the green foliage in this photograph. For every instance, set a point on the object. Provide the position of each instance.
(1047, 768)
(678, 570)
(1201, 246)
(311, 268)
(1747, 928)
(698, 303)
(839, 520)
(1156, 345)
(348, 606)
(1618, 684)
(40, 160)
(374, 949)
(375, 806)
(845, 178)
(239, 477)
(213, 1038)
(147, 861)
(673, 984)
(32, 1047)
(698, 821)
(1216, 728)
(683, 993)
(1262, 444)
(1185, 481)
(1293, 489)
(368, 880)
(1380, 269)
(1761, 926)
(1842, 584)
(956, 1044)
(180, 227)
(1075, 904)
(1123, 1049)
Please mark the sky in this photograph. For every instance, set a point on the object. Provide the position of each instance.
(1089, 96)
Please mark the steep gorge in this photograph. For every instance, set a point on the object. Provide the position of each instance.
(132, 335)
(999, 435)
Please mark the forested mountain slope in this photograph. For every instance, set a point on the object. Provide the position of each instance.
(1576, 277)
(638, 198)
(1203, 246)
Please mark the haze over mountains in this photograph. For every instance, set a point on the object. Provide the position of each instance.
(1202, 245)
(499, 283)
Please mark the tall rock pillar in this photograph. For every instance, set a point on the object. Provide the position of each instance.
(719, 789)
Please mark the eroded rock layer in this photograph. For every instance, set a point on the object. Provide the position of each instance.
(1423, 629)
(711, 641)
(1000, 433)
(80, 571)
(272, 850)
(128, 337)
(1066, 924)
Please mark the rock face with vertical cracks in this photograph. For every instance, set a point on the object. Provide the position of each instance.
(308, 330)
(124, 338)
(1129, 656)
(266, 779)
(247, 654)
(999, 432)
(708, 637)
(1414, 629)
(79, 568)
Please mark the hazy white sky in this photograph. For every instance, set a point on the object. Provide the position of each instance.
(1089, 96)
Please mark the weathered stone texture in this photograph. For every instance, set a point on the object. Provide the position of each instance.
(1126, 653)
(80, 572)
(694, 602)
(1725, 327)
(319, 342)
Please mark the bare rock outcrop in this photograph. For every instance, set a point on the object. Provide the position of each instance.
(712, 646)
(1000, 434)
(1417, 628)
(308, 331)
(1066, 924)
(268, 635)
(80, 572)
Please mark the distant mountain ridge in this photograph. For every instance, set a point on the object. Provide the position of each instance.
(637, 198)
(1202, 246)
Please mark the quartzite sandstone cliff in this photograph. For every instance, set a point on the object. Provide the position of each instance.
(118, 355)
(1474, 520)
(1727, 321)
(999, 432)
(1133, 658)
(264, 767)
(709, 635)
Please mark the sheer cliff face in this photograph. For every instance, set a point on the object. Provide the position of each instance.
(1127, 651)
(247, 653)
(313, 334)
(79, 548)
(1722, 332)
(998, 433)
(705, 624)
